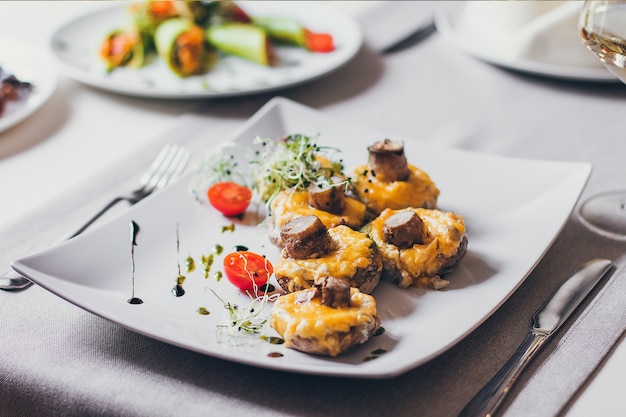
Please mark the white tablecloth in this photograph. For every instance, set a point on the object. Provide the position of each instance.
(59, 360)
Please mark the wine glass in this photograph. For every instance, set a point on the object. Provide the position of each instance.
(602, 26)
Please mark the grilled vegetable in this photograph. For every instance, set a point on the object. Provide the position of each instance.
(242, 40)
(289, 31)
(180, 43)
(123, 48)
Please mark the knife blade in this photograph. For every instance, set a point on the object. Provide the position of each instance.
(545, 322)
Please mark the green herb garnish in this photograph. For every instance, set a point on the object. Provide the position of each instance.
(293, 163)
(246, 320)
(220, 166)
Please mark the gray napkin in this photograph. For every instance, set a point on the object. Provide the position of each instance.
(577, 354)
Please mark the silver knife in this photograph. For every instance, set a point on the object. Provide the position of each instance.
(546, 322)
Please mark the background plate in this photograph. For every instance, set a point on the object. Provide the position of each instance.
(30, 64)
(75, 46)
(448, 24)
(513, 210)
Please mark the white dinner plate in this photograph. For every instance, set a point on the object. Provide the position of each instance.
(29, 64)
(513, 210)
(489, 49)
(75, 46)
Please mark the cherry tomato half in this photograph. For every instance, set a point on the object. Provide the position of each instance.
(246, 269)
(229, 198)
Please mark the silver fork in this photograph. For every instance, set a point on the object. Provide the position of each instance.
(167, 166)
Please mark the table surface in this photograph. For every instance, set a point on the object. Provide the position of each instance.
(60, 360)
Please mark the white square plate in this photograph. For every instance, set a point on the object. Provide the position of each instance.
(513, 210)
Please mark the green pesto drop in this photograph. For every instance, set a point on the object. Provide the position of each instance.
(218, 249)
(190, 264)
(229, 228)
(273, 340)
(207, 262)
(218, 275)
(203, 311)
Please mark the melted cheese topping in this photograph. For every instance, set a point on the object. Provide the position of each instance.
(417, 191)
(289, 205)
(322, 324)
(353, 250)
(445, 232)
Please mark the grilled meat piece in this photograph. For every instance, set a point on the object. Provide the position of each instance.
(305, 237)
(388, 161)
(334, 292)
(328, 197)
(404, 229)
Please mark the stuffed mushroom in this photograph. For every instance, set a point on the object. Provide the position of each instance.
(418, 245)
(311, 252)
(328, 201)
(389, 181)
(328, 319)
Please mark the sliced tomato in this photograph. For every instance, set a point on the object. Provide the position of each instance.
(319, 42)
(247, 270)
(161, 10)
(229, 198)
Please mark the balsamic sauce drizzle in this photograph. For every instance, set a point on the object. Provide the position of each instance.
(134, 231)
(375, 354)
(178, 289)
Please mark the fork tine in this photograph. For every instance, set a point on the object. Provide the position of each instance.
(161, 160)
(169, 163)
(171, 160)
(175, 168)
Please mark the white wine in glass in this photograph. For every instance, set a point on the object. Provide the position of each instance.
(602, 27)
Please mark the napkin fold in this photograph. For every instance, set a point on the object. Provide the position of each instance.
(540, 31)
(577, 355)
(386, 23)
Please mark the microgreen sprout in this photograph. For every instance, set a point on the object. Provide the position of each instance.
(248, 319)
(293, 163)
(219, 166)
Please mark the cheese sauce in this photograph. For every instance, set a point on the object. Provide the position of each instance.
(445, 232)
(353, 251)
(417, 191)
(289, 205)
(324, 325)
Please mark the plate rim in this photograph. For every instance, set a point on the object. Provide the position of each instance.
(581, 169)
(357, 41)
(43, 90)
(444, 18)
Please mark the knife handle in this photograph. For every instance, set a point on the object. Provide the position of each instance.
(490, 397)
